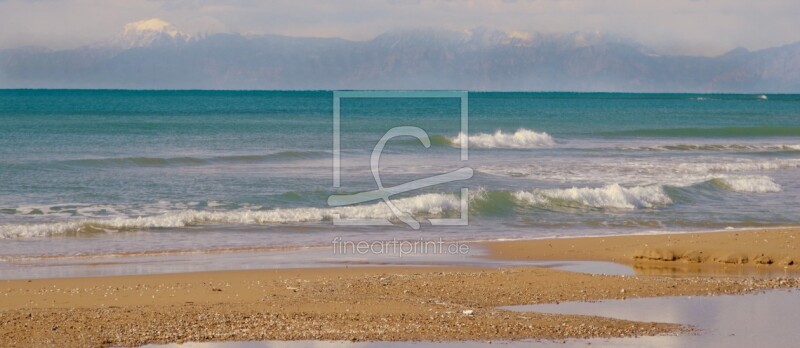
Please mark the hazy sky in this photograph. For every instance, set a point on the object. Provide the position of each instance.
(671, 26)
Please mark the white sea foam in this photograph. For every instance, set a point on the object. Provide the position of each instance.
(612, 196)
(521, 139)
(106, 211)
(742, 166)
(637, 171)
(609, 196)
(431, 204)
(717, 147)
(748, 184)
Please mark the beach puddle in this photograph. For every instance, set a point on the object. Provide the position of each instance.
(767, 319)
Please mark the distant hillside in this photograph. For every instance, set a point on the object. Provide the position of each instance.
(153, 54)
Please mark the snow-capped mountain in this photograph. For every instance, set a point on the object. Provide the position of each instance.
(154, 54)
(149, 32)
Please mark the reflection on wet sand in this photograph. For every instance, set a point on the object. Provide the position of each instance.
(680, 269)
(767, 319)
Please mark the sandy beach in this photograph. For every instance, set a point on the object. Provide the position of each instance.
(399, 174)
(755, 251)
(391, 303)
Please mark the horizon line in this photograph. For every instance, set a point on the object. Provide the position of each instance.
(379, 90)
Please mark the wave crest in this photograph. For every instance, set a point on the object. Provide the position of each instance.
(719, 147)
(426, 204)
(482, 202)
(521, 139)
(747, 184)
(612, 196)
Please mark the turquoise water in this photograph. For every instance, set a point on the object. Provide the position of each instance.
(88, 172)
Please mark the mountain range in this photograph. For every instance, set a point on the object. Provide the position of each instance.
(152, 54)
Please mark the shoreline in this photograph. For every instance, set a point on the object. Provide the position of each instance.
(270, 248)
(397, 303)
(320, 256)
(702, 253)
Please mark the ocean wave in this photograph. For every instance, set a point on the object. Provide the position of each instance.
(616, 196)
(193, 161)
(666, 171)
(612, 196)
(729, 97)
(747, 184)
(521, 139)
(426, 204)
(718, 147)
(105, 211)
(745, 166)
(482, 202)
(724, 132)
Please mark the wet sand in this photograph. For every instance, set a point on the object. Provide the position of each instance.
(381, 303)
(766, 319)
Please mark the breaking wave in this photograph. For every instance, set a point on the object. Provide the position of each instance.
(747, 184)
(615, 196)
(427, 204)
(612, 196)
(521, 139)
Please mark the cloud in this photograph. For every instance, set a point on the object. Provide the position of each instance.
(677, 26)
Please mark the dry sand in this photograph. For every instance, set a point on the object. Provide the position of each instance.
(742, 252)
(390, 303)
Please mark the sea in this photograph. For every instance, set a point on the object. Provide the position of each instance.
(86, 173)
